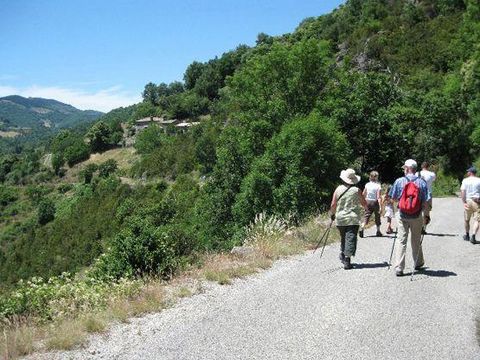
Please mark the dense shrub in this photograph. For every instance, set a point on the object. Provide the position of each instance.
(107, 168)
(46, 211)
(87, 173)
(296, 174)
(76, 153)
(7, 195)
(61, 296)
(139, 249)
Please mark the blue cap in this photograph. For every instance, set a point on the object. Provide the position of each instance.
(472, 169)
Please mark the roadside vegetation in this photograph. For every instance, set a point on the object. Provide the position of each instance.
(366, 86)
(60, 313)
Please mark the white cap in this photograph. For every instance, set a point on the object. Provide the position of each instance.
(410, 163)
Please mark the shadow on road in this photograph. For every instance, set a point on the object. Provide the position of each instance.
(383, 236)
(434, 273)
(370, 266)
(441, 235)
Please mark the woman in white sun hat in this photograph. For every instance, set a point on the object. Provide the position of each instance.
(347, 203)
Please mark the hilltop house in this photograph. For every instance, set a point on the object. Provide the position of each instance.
(143, 123)
(162, 123)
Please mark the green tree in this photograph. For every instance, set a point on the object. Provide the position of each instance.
(192, 73)
(149, 139)
(57, 162)
(7, 195)
(88, 172)
(98, 136)
(77, 152)
(150, 94)
(107, 168)
(297, 173)
(46, 211)
(281, 84)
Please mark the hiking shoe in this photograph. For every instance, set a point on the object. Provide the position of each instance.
(347, 265)
(472, 240)
(399, 273)
(379, 233)
(360, 233)
(419, 267)
(466, 237)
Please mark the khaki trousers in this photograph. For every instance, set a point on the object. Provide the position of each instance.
(414, 226)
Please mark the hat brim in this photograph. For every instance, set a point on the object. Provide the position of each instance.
(348, 180)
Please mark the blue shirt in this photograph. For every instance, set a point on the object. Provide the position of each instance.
(397, 188)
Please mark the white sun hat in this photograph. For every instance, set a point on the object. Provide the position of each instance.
(349, 176)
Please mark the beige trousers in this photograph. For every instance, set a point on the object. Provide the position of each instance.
(414, 226)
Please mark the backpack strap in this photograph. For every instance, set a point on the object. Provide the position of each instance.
(343, 193)
(412, 180)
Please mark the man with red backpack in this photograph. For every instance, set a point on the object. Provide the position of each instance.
(412, 194)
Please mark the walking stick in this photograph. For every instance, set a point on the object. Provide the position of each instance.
(418, 253)
(324, 236)
(393, 247)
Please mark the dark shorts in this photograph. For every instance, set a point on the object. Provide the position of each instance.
(372, 208)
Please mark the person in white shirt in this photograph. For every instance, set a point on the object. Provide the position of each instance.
(429, 177)
(470, 190)
(372, 194)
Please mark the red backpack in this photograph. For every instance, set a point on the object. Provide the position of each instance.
(410, 201)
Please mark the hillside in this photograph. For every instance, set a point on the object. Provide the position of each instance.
(38, 113)
(367, 86)
(353, 88)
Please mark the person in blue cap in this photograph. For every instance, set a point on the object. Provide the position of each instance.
(470, 190)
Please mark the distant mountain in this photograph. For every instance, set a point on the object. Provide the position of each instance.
(37, 113)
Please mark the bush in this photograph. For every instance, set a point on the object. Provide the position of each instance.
(7, 195)
(139, 249)
(445, 185)
(88, 172)
(149, 139)
(61, 296)
(64, 188)
(107, 168)
(76, 153)
(57, 162)
(46, 211)
(36, 193)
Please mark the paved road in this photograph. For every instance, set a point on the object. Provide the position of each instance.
(310, 308)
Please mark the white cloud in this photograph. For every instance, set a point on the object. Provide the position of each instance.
(102, 100)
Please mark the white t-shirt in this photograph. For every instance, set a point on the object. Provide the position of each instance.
(471, 186)
(429, 177)
(371, 189)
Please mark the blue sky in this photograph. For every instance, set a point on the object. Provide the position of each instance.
(100, 54)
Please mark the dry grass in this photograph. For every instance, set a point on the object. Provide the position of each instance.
(18, 340)
(65, 335)
(312, 230)
(150, 299)
(183, 292)
(95, 323)
(125, 158)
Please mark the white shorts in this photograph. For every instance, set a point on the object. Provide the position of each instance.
(389, 212)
